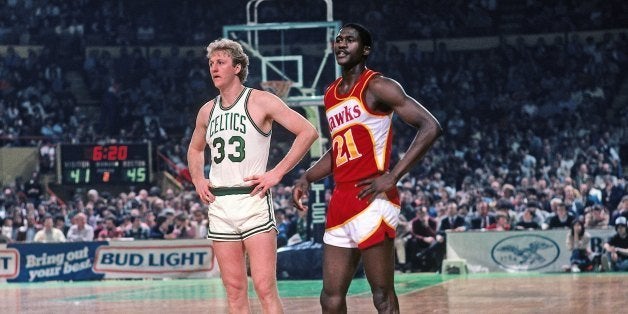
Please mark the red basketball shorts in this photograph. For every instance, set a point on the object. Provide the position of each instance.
(352, 222)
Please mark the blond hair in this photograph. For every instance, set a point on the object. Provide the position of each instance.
(235, 51)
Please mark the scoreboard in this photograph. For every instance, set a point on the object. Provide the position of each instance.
(112, 164)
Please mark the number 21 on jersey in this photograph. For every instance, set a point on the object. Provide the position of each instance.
(345, 145)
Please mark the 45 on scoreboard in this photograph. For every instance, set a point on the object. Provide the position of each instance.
(104, 164)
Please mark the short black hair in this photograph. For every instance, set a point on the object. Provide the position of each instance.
(365, 34)
(160, 220)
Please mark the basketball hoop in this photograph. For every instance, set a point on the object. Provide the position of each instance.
(279, 88)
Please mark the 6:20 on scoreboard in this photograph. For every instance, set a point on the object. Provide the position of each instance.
(104, 164)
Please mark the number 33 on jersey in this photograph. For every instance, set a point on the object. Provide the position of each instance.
(238, 147)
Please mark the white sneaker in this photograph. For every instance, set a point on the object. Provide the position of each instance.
(575, 269)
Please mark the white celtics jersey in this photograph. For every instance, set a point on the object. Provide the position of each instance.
(239, 148)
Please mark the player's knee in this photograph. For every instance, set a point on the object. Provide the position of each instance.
(332, 303)
(235, 289)
(264, 288)
(384, 300)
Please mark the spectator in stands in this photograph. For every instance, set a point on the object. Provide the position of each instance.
(526, 220)
(90, 213)
(578, 244)
(49, 234)
(9, 196)
(138, 230)
(532, 208)
(590, 193)
(149, 218)
(283, 227)
(59, 222)
(199, 221)
(125, 224)
(561, 218)
(182, 228)
(80, 231)
(160, 229)
(463, 211)
(505, 207)
(554, 203)
(621, 211)
(452, 221)
(302, 226)
(47, 155)
(170, 215)
(18, 227)
(617, 248)
(483, 217)
(612, 192)
(573, 200)
(142, 198)
(110, 230)
(425, 247)
(402, 236)
(33, 189)
(4, 239)
(31, 226)
(7, 229)
(93, 196)
(501, 223)
(99, 226)
(596, 216)
(155, 133)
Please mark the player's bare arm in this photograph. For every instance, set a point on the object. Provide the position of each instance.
(276, 110)
(384, 94)
(196, 154)
(321, 169)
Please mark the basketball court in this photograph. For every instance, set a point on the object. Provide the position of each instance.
(418, 293)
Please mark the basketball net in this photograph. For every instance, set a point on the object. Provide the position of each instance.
(279, 88)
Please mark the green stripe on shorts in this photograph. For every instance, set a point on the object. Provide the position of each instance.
(232, 190)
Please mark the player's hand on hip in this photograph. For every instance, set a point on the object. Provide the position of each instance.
(203, 190)
(262, 182)
(375, 185)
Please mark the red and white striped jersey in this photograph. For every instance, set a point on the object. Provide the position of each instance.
(361, 138)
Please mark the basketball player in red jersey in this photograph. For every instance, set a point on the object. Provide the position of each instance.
(363, 212)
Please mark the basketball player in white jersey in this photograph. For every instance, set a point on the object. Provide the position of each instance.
(237, 127)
